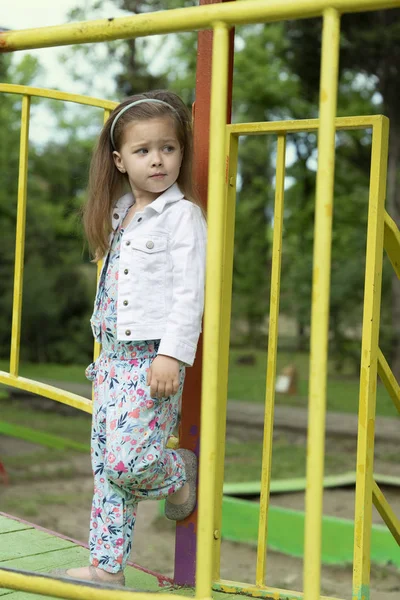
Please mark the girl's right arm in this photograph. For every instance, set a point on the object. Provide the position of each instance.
(188, 253)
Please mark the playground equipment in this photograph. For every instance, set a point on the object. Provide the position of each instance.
(205, 531)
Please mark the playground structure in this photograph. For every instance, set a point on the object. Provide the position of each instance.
(204, 529)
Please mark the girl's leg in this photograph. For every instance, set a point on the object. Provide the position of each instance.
(113, 510)
(138, 428)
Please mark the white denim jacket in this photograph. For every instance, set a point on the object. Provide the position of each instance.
(161, 273)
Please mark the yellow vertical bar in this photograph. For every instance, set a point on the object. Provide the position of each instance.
(320, 302)
(212, 318)
(369, 358)
(229, 232)
(97, 346)
(20, 237)
(271, 366)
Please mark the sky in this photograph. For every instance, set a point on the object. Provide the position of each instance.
(27, 14)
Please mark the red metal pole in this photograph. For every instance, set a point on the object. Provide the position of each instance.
(186, 531)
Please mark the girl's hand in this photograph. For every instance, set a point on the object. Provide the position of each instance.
(163, 376)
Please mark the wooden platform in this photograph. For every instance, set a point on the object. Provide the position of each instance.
(25, 546)
(31, 548)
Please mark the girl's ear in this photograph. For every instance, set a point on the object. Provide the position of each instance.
(118, 162)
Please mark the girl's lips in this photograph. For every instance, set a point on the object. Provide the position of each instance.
(158, 176)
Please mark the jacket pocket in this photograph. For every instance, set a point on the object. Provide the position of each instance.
(150, 260)
(150, 251)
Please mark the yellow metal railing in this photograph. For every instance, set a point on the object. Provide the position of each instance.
(367, 489)
(220, 17)
(182, 19)
(12, 378)
(369, 353)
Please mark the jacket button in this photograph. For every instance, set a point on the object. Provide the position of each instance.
(139, 219)
(125, 303)
(116, 216)
(126, 271)
(128, 243)
(149, 244)
(128, 332)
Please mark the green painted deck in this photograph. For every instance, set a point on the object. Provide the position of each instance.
(24, 546)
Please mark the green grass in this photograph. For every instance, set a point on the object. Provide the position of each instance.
(247, 382)
(75, 427)
(43, 372)
(243, 461)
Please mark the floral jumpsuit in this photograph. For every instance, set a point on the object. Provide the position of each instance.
(129, 429)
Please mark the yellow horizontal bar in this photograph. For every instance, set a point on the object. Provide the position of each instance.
(291, 126)
(385, 510)
(180, 19)
(9, 88)
(255, 591)
(391, 243)
(388, 379)
(41, 584)
(48, 391)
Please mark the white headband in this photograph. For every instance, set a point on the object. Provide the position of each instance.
(121, 112)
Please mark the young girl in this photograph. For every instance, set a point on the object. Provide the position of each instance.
(147, 316)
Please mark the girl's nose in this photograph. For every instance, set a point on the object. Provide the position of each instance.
(156, 162)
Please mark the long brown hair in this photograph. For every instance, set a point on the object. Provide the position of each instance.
(107, 183)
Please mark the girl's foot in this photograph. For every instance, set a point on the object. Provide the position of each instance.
(180, 505)
(180, 496)
(91, 573)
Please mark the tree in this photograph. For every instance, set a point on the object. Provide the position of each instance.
(56, 299)
(370, 47)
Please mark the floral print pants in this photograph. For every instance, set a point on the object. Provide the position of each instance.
(128, 448)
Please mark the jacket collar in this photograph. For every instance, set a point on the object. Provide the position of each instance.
(170, 195)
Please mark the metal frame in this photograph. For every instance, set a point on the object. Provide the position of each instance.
(181, 19)
(366, 489)
(12, 378)
(189, 430)
(220, 17)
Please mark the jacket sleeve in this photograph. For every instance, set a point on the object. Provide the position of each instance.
(188, 255)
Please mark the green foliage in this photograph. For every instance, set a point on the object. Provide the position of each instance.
(369, 76)
(276, 75)
(56, 297)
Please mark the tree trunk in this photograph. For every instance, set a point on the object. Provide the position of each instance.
(301, 338)
(393, 208)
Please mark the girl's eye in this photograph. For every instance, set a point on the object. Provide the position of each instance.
(169, 148)
(141, 151)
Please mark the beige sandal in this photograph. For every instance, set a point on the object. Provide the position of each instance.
(178, 512)
(94, 577)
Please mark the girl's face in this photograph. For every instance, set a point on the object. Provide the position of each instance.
(151, 156)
